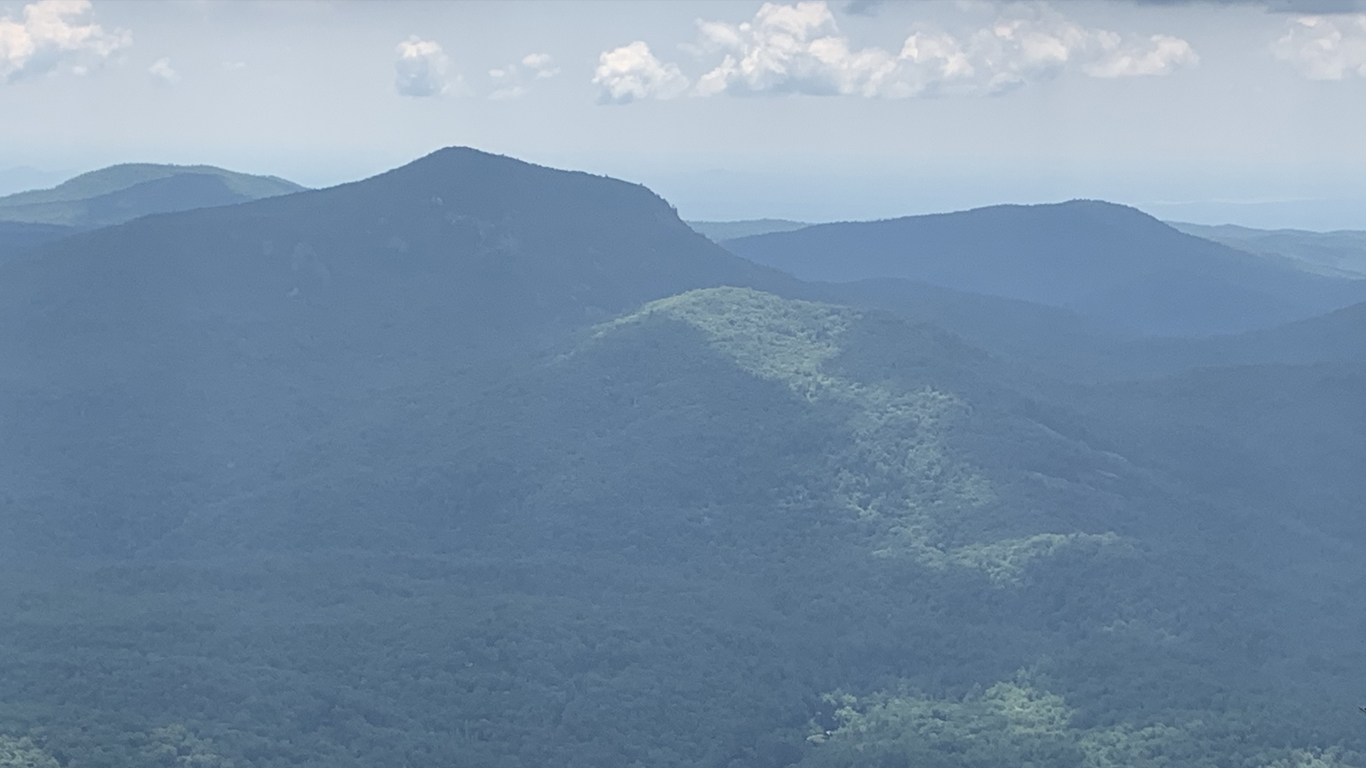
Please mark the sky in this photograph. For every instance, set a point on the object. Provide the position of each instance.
(1217, 112)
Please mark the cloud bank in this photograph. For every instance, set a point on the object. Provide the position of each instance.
(1325, 47)
(798, 49)
(54, 34)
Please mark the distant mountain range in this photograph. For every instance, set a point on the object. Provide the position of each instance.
(1336, 254)
(1095, 258)
(121, 193)
(718, 231)
(477, 462)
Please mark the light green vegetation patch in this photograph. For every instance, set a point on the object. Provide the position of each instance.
(895, 471)
(1005, 561)
(23, 753)
(175, 745)
(172, 746)
(1016, 722)
(769, 337)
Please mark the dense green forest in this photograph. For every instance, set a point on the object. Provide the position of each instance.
(483, 464)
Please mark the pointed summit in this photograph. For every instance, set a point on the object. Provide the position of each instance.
(477, 244)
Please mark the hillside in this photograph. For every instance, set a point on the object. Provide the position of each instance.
(121, 193)
(17, 239)
(705, 511)
(1094, 258)
(482, 463)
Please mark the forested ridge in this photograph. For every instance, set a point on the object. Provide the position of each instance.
(483, 464)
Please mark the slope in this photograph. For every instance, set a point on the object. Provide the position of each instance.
(124, 192)
(17, 239)
(723, 528)
(1092, 257)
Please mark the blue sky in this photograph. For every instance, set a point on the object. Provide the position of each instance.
(1212, 111)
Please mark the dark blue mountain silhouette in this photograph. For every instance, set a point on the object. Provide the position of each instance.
(1093, 257)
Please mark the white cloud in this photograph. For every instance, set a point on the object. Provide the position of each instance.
(52, 34)
(631, 72)
(541, 64)
(792, 49)
(1325, 47)
(162, 73)
(799, 49)
(423, 69)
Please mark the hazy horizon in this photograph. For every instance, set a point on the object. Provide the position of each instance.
(721, 195)
(1216, 112)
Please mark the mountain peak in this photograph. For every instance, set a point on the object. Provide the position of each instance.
(470, 178)
(460, 243)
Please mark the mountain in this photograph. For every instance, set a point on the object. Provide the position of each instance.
(1095, 258)
(482, 463)
(254, 326)
(728, 230)
(121, 193)
(460, 245)
(1337, 254)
